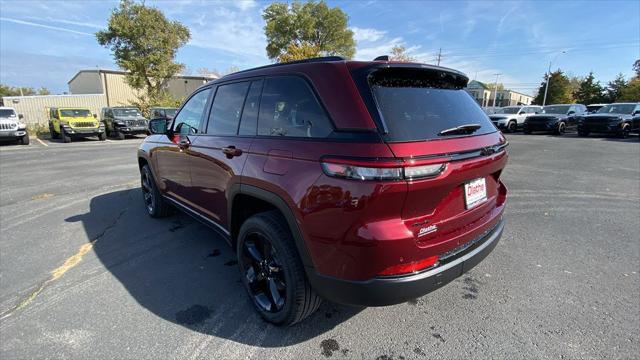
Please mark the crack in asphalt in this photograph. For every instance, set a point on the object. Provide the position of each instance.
(69, 263)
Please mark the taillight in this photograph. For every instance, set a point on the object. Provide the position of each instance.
(411, 267)
(381, 169)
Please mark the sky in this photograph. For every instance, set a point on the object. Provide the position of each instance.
(44, 43)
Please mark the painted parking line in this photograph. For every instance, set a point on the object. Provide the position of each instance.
(42, 142)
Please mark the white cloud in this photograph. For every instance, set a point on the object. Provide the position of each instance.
(231, 31)
(367, 34)
(244, 5)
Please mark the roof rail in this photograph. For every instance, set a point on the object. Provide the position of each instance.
(304, 61)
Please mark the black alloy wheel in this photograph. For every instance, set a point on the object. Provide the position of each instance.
(147, 191)
(263, 273)
(562, 128)
(155, 204)
(512, 126)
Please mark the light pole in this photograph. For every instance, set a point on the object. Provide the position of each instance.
(546, 86)
(495, 90)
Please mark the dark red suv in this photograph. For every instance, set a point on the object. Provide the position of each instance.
(365, 183)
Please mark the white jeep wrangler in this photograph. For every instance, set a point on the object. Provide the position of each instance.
(11, 128)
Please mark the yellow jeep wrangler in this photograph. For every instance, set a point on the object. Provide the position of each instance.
(70, 123)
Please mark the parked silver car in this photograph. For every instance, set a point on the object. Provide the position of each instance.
(11, 126)
(511, 118)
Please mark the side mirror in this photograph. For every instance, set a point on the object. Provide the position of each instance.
(20, 116)
(635, 113)
(571, 112)
(158, 126)
(521, 112)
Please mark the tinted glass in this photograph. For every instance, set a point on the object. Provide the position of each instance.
(7, 113)
(508, 110)
(249, 121)
(227, 108)
(129, 112)
(75, 113)
(617, 109)
(417, 105)
(188, 119)
(556, 109)
(289, 108)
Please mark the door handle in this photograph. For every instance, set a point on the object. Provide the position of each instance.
(231, 151)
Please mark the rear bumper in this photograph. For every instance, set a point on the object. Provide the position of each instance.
(394, 290)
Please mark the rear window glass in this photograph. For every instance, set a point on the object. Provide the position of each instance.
(289, 108)
(418, 104)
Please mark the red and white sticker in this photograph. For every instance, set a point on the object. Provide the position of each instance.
(475, 192)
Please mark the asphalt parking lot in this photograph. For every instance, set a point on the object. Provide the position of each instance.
(85, 273)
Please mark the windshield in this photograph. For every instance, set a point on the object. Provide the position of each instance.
(127, 112)
(7, 113)
(170, 112)
(75, 113)
(617, 109)
(556, 109)
(508, 110)
(418, 105)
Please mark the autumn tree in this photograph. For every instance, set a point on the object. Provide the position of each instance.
(399, 53)
(299, 31)
(144, 42)
(559, 91)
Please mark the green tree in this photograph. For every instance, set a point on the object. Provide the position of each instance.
(589, 92)
(302, 30)
(559, 89)
(631, 92)
(144, 42)
(614, 88)
(399, 53)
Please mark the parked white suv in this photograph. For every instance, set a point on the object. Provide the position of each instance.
(511, 118)
(11, 128)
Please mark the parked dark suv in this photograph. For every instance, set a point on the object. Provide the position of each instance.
(124, 121)
(556, 119)
(616, 119)
(367, 183)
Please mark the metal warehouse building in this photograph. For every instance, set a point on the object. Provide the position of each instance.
(95, 89)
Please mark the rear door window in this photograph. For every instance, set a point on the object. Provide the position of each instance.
(289, 108)
(227, 109)
(418, 104)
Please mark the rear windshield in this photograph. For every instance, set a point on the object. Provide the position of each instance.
(418, 104)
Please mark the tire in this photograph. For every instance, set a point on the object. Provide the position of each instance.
(272, 271)
(52, 132)
(65, 138)
(102, 136)
(512, 127)
(25, 139)
(156, 205)
(561, 129)
(119, 135)
(624, 133)
(583, 133)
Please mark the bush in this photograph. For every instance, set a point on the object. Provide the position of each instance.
(37, 129)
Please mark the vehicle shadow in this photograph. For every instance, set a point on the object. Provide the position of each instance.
(185, 273)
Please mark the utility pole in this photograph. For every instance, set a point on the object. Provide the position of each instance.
(439, 56)
(546, 86)
(495, 90)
